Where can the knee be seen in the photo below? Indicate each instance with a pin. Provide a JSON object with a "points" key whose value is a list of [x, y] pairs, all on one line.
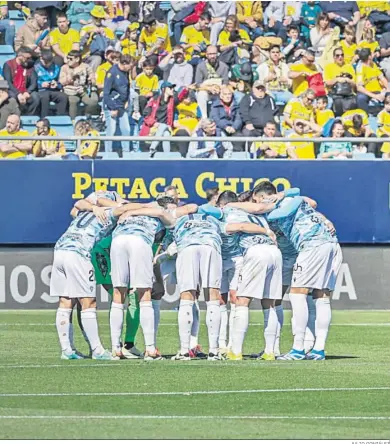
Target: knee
{"points": [[242, 302], [65, 303], [88, 303]]}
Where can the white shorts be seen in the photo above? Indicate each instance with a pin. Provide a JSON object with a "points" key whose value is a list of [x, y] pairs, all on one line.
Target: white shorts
{"points": [[288, 268], [131, 262], [199, 266], [318, 267], [231, 270], [72, 276], [168, 271], [261, 275]]}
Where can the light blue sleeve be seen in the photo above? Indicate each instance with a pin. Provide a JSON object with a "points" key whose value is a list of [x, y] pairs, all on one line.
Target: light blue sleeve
{"points": [[293, 192], [209, 210], [286, 210]]}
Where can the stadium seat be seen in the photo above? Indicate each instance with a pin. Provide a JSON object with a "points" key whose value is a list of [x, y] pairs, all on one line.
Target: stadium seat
{"points": [[363, 156], [108, 156], [18, 24], [5, 57], [373, 122], [60, 121], [28, 122], [240, 156], [7, 49], [15, 15], [136, 156], [167, 156]]}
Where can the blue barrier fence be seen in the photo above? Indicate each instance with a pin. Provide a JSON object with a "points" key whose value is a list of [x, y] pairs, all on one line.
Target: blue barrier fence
{"points": [[37, 196]]}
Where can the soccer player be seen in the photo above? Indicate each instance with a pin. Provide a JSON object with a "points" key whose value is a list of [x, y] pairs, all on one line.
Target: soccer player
{"points": [[316, 267], [73, 276]]}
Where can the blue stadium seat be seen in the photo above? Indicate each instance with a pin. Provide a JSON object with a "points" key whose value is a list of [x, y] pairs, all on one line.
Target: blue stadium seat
{"points": [[15, 15], [60, 121], [28, 122], [18, 24], [363, 156], [167, 156], [373, 121], [136, 156], [7, 49], [240, 156], [108, 156], [5, 57]]}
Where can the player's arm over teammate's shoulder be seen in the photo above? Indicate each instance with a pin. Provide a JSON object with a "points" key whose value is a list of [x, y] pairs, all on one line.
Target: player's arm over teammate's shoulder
{"points": [[311, 202], [85, 205], [249, 228], [254, 208], [185, 210], [166, 218]]}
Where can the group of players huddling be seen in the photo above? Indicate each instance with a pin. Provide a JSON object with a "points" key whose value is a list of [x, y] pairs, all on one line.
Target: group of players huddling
{"points": [[258, 245]]}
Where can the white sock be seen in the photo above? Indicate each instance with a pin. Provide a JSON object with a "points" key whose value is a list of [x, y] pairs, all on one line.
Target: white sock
{"points": [[280, 315], [241, 323], [213, 322], [224, 326], [147, 323], [194, 340], [231, 323], [156, 309], [324, 317], [270, 329], [89, 320], [301, 316], [311, 325], [116, 325], [185, 319], [63, 328]]}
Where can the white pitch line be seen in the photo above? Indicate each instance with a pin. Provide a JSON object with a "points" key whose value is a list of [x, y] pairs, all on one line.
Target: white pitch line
{"points": [[20, 324], [192, 417], [203, 392]]}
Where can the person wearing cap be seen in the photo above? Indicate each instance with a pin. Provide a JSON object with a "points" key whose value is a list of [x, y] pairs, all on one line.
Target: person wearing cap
{"points": [[175, 68], [79, 14], [116, 95], [154, 38], [95, 38], [159, 117], [8, 105], [35, 33], [63, 39], [118, 14], [14, 149], [256, 110], [112, 58], [274, 74]]}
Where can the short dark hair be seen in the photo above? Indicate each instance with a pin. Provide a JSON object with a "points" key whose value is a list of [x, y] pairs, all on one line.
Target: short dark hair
{"points": [[266, 187], [245, 196], [357, 121], [149, 19], [227, 197], [47, 56], [75, 53], [148, 62], [324, 99], [364, 54], [273, 47], [125, 59], [205, 16], [61, 15], [211, 193], [337, 49], [293, 28], [25, 50], [310, 52], [46, 122], [40, 11], [165, 201], [270, 122]]}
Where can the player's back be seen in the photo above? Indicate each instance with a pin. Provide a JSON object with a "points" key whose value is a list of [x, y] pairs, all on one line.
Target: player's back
{"points": [[249, 240], [284, 244], [143, 226], [85, 232], [231, 244], [198, 229]]}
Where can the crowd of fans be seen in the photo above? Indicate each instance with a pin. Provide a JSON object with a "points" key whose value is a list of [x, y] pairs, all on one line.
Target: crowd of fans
{"points": [[218, 68]]}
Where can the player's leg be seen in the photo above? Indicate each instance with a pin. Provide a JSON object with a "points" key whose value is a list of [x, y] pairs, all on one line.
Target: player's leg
{"points": [[211, 276], [129, 349], [223, 331], [241, 324], [158, 292], [188, 277], [232, 314], [195, 347], [233, 287], [311, 324]]}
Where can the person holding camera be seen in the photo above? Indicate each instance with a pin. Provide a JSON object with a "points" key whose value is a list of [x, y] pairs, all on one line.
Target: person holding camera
{"points": [[176, 70], [340, 81]]}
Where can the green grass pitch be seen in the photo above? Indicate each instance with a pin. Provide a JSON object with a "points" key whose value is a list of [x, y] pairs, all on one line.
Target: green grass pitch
{"points": [[348, 396]]}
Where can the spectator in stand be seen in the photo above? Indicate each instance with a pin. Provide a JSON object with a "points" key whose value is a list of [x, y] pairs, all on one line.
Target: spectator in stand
{"points": [[154, 38], [22, 79], [210, 75], [377, 13], [196, 38], [292, 13], [269, 150], [233, 42], [79, 84], [88, 148], [295, 46], [300, 71], [340, 81], [342, 13], [146, 84], [14, 149], [128, 44], [112, 58], [225, 112], [175, 68], [336, 150], [320, 35], [49, 88], [273, 19], [115, 101], [370, 42], [310, 12], [63, 39], [356, 124], [306, 130], [180, 11], [51, 8], [274, 74], [321, 111], [219, 12], [35, 33], [47, 148], [118, 15], [8, 105], [384, 44], [159, 117], [299, 108], [95, 38], [256, 110], [79, 14], [349, 46], [371, 82], [250, 16], [209, 149], [7, 26]]}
